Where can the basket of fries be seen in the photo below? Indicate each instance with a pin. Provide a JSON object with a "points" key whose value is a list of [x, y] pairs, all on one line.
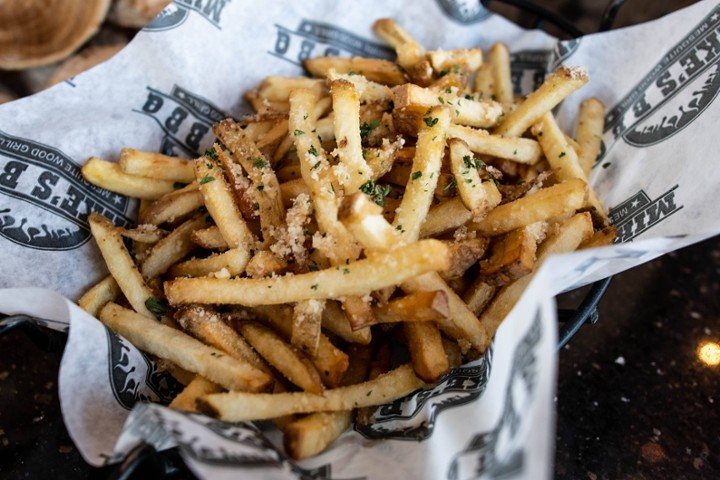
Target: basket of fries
{"points": [[345, 261]]}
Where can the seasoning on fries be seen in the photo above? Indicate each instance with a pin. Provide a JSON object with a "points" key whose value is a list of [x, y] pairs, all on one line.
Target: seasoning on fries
{"points": [[369, 208]]}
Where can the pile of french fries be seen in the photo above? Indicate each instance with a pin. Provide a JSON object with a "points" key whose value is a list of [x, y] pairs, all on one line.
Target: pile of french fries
{"points": [[375, 207]]}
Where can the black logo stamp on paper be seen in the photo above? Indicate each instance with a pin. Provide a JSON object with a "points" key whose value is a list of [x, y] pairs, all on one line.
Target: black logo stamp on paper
{"points": [[186, 119], [57, 200], [133, 377], [312, 39], [528, 69], [175, 13], [562, 51], [414, 417], [464, 11], [674, 93], [498, 453], [639, 213]]}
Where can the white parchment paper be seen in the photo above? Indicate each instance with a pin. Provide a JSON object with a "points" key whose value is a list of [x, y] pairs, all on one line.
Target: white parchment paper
{"points": [[189, 68]]}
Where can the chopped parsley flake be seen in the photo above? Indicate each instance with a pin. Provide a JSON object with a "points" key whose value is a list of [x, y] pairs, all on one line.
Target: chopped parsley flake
{"points": [[157, 306], [366, 128], [416, 175], [206, 179], [211, 153], [314, 286], [562, 154], [430, 121], [259, 162], [299, 132], [451, 184], [376, 191], [316, 165], [313, 151]]}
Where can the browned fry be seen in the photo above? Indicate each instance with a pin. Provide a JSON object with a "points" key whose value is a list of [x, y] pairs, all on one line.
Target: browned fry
{"points": [[567, 238], [426, 350], [415, 307], [463, 255], [478, 295], [286, 359], [601, 238], [335, 320], [513, 256], [412, 103], [374, 69], [198, 387], [264, 263], [205, 324], [453, 353]]}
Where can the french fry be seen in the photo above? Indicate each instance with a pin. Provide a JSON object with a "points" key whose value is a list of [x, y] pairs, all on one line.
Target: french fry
{"points": [[155, 165], [207, 325], [554, 89], [521, 150], [589, 132], [412, 103], [312, 434], [335, 320], [499, 58], [463, 255], [425, 171], [478, 295], [330, 361], [469, 59], [173, 206], [415, 307], [106, 290], [478, 196], [545, 203], [220, 204], [223, 265], [601, 238], [427, 353], [209, 238], [568, 237], [120, 264], [358, 278], [277, 88], [410, 54], [110, 176], [192, 355], [237, 406], [367, 90], [171, 249], [374, 69], [513, 256], [445, 216], [307, 320], [198, 387], [289, 361]]}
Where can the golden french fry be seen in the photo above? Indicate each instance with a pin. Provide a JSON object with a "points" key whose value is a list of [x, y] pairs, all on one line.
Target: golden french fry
{"points": [[335, 320], [198, 387], [512, 257], [312, 434], [591, 121], [207, 325], [499, 58], [567, 238], [173, 206], [426, 165], [156, 165], [110, 176], [307, 320], [520, 150], [192, 355], [237, 406], [209, 238], [554, 89], [545, 203], [410, 54], [469, 59], [415, 307], [106, 290], [220, 265], [374, 69], [278, 89], [601, 238], [171, 249]]}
